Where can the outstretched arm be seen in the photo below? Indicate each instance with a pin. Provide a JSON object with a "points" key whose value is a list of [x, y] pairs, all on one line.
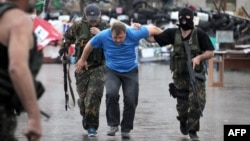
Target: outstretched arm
{"points": [[153, 30]]}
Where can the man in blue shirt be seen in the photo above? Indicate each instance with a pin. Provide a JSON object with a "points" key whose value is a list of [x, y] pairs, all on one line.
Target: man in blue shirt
{"points": [[119, 43]]}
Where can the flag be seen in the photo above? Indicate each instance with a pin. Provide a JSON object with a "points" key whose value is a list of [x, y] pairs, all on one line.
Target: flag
{"points": [[45, 32]]}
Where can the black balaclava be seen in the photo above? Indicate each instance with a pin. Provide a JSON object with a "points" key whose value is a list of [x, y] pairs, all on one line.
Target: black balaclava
{"points": [[189, 22]]}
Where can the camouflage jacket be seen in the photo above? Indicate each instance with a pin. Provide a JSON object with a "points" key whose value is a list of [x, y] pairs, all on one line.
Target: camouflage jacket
{"points": [[79, 34]]}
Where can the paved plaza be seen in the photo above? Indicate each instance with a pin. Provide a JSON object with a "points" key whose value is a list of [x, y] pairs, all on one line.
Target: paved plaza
{"points": [[155, 118]]}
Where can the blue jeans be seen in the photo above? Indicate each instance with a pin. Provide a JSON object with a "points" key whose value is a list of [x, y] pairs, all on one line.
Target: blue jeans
{"points": [[130, 88]]}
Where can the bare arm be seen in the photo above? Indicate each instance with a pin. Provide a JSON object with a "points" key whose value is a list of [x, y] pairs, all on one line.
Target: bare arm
{"points": [[19, 40], [204, 56], [153, 30], [82, 62]]}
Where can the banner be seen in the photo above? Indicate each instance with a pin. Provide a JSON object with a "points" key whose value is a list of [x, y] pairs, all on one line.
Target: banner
{"points": [[45, 32]]}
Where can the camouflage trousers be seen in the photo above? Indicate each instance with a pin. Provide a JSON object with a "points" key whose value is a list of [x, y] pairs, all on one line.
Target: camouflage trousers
{"points": [[90, 85], [8, 124], [187, 107]]}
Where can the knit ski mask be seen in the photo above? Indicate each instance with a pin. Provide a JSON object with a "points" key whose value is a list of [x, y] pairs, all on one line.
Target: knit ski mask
{"points": [[183, 14]]}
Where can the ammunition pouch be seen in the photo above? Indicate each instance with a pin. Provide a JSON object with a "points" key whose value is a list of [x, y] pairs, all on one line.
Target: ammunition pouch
{"points": [[80, 43], [97, 55], [78, 52], [178, 93], [172, 90], [178, 65], [15, 103], [8, 95]]}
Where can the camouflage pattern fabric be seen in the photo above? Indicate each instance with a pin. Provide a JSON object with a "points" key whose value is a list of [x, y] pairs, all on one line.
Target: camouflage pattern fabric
{"points": [[8, 124], [79, 34], [188, 109], [90, 85]]}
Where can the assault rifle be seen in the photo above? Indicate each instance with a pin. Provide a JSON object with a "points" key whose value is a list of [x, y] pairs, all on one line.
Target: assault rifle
{"points": [[65, 62], [192, 75], [67, 81]]}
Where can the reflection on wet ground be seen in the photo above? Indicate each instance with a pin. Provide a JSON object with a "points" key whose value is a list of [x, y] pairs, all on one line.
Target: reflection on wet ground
{"points": [[155, 118]]}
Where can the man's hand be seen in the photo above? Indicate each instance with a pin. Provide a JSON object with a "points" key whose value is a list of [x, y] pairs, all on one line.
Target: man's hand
{"points": [[94, 30], [34, 130], [80, 64], [136, 25], [196, 61]]}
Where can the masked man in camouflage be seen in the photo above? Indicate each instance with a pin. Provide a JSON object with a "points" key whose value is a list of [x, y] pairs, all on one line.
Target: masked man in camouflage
{"points": [[89, 82], [201, 49]]}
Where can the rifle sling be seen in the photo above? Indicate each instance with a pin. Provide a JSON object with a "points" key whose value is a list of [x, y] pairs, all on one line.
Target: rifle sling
{"points": [[67, 82], [70, 86]]}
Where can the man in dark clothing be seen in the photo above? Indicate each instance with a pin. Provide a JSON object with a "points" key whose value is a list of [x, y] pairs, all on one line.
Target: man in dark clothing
{"points": [[201, 50], [17, 69]]}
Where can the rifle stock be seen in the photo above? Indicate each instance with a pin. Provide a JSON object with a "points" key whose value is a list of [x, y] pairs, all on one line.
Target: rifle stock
{"points": [[192, 75], [200, 76]]}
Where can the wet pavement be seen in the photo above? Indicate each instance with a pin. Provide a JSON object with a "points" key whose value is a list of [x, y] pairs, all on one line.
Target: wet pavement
{"points": [[155, 118]]}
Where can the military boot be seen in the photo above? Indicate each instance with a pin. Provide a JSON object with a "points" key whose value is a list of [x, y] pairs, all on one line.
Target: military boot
{"points": [[183, 127], [193, 135]]}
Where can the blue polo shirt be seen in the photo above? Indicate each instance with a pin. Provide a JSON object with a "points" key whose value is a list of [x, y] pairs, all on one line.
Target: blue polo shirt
{"points": [[121, 58]]}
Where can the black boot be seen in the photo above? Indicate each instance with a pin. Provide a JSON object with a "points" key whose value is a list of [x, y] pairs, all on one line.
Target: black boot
{"points": [[193, 135], [183, 127]]}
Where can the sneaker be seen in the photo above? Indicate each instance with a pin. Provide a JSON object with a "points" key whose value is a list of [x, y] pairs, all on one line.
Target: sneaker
{"points": [[112, 131], [183, 127], [193, 136], [91, 132], [125, 135]]}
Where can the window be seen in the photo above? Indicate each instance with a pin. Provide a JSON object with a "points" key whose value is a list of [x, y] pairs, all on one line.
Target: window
{"points": [[229, 5]]}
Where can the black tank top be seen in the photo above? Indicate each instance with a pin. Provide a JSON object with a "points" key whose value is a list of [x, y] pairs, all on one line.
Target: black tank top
{"points": [[4, 61]]}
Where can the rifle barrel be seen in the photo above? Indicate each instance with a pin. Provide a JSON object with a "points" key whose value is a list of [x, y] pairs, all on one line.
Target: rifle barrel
{"points": [[192, 76]]}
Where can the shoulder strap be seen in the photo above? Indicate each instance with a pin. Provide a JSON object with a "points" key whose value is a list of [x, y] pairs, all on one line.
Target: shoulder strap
{"points": [[6, 6], [194, 38], [177, 39], [85, 29]]}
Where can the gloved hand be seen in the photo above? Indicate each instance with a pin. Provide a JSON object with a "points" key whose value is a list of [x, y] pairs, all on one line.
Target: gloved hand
{"points": [[63, 50]]}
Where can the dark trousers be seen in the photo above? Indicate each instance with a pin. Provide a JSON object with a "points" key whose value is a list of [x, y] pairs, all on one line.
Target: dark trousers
{"points": [[8, 124], [130, 88]]}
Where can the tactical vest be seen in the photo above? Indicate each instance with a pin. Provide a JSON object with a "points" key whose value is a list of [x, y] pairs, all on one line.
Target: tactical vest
{"points": [[7, 91], [178, 58], [96, 57]]}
